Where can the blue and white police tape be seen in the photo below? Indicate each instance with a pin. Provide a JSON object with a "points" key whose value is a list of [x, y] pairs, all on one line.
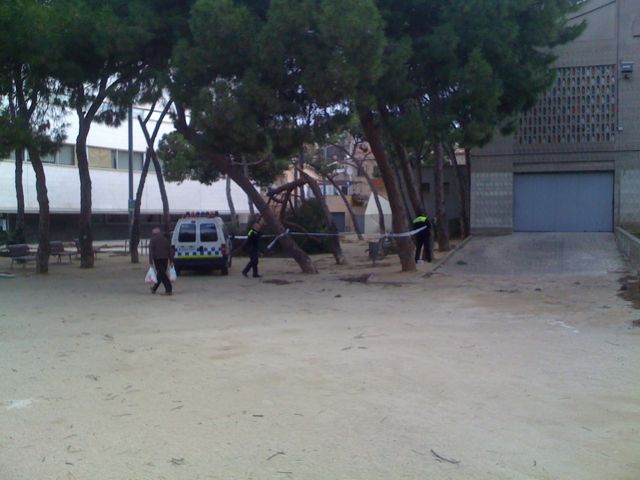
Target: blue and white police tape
{"points": [[323, 234]]}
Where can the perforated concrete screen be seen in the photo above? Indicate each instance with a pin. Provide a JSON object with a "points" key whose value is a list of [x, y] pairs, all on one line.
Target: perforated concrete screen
{"points": [[580, 107]]}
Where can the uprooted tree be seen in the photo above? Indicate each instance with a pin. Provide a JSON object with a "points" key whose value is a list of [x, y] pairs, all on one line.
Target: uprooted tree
{"points": [[262, 91]]}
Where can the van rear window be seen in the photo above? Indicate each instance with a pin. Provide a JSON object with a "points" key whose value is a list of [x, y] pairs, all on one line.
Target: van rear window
{"points": [[208, 232], [187, 232]]}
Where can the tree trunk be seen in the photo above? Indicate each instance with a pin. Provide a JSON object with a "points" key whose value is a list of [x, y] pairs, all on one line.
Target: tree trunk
{"points": [[252, 212], [232, 207], [135, 227], [462, 190], [467, 157], [18, 234], [345, 200], [408, 182], [376, 198], [412, 186], [151, 152], [405, 194], [301, 167], [166, 219], [85, 237], [296, 176], [285, 202], [405, 246], [441, 209], [334, 239], [224, 165], [269, 216], [44, 247]]}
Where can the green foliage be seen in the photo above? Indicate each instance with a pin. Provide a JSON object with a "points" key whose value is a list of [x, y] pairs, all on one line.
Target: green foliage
{"points": [[467, 66], [31, 106], [265, 172], [181, 161], [281, 73], [310, 217], [115, 50]]}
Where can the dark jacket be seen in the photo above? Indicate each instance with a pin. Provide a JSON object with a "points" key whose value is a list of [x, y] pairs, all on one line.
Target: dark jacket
{"points": [[422, 221], [253, 241], [159, 248]]}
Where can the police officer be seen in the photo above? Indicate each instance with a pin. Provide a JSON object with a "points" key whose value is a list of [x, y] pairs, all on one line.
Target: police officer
{"points": [[423, 237], [253, 245]]}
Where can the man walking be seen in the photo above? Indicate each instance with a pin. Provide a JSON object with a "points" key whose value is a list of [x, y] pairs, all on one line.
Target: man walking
{"points": [[423, 237], [253, 245], [160, 259]]}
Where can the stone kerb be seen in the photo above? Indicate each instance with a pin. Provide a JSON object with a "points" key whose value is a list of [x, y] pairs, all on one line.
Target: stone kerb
{"points": [[629, 245]]}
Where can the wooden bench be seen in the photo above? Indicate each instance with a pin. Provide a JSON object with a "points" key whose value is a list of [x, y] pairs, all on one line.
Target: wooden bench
{"points": [[96, 250], [21, 253], [57, 249]]}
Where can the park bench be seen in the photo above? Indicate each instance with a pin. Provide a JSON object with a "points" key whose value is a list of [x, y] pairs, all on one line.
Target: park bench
{"points": [[21, 253], [96, 250], [379, 249], [143, 245], [57, 249]]}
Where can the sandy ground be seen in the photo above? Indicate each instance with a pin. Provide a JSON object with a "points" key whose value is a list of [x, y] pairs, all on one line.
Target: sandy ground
{"points": [[513, 377]]}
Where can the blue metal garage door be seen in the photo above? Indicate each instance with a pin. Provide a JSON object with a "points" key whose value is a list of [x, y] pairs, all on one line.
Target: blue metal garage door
{"points": [[563, 202]]}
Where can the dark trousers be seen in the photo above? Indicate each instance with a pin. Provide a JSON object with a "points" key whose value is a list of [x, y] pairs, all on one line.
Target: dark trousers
{"points": [[161, 265], [253, 264], [423, 241]]}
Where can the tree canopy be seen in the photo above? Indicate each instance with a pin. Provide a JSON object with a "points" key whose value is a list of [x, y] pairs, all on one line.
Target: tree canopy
{"points": [[253, 81]]}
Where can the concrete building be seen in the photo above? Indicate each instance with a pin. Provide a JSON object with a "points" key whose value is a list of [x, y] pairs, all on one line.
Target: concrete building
{"points": [[108, 160], [451, 194], [574, 162]]}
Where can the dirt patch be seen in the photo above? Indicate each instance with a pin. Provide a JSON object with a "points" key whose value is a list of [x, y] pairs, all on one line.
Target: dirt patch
{"points": [[630, 290], [278, 281], [364, 278]]}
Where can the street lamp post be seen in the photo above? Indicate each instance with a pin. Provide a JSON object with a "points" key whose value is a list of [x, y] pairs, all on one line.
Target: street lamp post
{"points": [[131, 201]]}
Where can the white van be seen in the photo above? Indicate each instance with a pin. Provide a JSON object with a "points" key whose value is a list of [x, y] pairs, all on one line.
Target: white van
{"points": [[200, 242]]}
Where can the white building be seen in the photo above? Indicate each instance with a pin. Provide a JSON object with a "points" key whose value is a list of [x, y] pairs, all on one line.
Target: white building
{"points": [[107, 149]]}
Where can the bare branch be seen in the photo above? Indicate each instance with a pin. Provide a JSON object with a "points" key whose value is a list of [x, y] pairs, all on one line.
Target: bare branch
{"points": [[151, 112]]}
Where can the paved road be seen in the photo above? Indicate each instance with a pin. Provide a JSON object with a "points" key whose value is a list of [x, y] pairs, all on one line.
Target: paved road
{"points": [[538, 254]]}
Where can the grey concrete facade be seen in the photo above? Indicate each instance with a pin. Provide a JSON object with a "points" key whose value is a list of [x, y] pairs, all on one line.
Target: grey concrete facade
{"points": [[612, 37], [451, 194]]}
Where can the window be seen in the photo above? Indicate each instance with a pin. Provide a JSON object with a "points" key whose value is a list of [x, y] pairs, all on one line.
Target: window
{"points": [[121, 160], [64, 156], [99, 157], [187, 232], [208, 232]]}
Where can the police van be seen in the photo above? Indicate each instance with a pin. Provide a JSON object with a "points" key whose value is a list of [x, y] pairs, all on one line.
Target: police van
{"points": [[200, 242]]}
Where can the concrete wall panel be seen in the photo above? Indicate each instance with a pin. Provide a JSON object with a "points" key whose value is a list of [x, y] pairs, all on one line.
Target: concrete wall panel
{"points": [[491, 201]]}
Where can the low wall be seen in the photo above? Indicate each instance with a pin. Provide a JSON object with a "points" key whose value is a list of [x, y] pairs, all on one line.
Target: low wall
{"points": [[629, 245]]}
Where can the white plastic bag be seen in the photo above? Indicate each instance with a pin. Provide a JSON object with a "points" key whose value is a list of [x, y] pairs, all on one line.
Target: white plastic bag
{"points": [[151, 277], [171, 273]]}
